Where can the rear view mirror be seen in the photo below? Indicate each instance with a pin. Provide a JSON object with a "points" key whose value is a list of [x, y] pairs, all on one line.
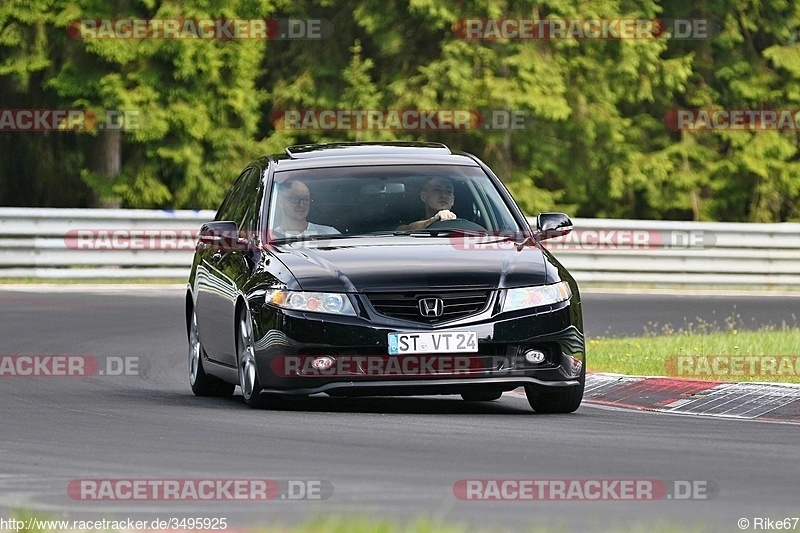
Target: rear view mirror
{"points": [[383, 188], [552, 225]]}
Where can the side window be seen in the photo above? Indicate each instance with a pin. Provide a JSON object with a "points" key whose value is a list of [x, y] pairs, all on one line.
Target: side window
{"points": [[245, 201], [231, 201], [255, 188]]}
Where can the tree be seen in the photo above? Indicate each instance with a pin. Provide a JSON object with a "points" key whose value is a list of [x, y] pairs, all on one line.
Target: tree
{"points": [[196, 101]]}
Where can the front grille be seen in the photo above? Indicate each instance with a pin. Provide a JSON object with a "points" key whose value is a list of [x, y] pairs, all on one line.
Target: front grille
{"points": [[405, 305]]}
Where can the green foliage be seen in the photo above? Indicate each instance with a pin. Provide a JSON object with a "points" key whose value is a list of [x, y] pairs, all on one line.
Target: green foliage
{"points": [[595, 144], [197, 101]]}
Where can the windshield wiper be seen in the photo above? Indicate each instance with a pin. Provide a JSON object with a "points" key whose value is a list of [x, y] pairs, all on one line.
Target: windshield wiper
{"points": [[332, 236], [314, 237], [428, 232], [441, 232]]}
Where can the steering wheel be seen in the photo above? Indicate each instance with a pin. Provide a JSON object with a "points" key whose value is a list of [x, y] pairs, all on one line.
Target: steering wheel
{"points": [[458, 223]]}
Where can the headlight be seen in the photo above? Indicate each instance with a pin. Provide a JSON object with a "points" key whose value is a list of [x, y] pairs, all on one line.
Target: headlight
{"points": [[318, 302], [536, 296]]}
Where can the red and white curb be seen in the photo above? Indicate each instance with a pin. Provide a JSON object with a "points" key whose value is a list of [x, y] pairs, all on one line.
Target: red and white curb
{"points": [[751, 401], [778, 402]]}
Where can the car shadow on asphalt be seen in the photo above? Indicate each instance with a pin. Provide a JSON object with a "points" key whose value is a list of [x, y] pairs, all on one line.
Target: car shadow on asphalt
{"points": [[421, 405], [509, 404]]}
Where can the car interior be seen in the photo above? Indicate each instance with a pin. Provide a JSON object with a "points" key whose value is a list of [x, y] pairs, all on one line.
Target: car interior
{"points": [[365, 205]]}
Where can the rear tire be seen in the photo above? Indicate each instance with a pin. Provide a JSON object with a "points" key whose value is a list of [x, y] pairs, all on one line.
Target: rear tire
{"points": [[202, 384], [482, 396], [562, 400]]}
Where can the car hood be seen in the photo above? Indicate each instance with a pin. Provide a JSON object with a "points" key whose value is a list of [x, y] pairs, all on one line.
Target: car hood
{"points": [[401, 263]]}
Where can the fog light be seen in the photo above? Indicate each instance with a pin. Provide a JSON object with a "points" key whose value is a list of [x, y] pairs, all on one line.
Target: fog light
{"points": [[323, 362], [534, 356], [577, 366]]}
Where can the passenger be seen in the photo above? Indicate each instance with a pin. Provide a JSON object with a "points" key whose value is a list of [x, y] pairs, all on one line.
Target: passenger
{"points": [[294, 202]]}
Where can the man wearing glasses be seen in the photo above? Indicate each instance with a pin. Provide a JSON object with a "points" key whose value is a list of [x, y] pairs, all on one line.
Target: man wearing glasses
{"points": [[438, 197], [294, 201]]}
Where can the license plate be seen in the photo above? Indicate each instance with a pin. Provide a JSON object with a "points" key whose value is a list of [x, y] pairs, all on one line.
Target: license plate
{"points": [[433, 342]]}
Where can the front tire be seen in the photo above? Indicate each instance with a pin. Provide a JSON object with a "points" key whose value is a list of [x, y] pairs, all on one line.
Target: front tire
{"points": [[248, 374], [562, 400], [202, 384]]}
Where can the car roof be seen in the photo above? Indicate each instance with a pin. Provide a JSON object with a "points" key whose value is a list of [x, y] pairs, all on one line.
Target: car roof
{"points": [[339, 154]]}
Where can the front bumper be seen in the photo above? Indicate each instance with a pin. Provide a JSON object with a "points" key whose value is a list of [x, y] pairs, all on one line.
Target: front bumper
{"points": [[286, 337]]}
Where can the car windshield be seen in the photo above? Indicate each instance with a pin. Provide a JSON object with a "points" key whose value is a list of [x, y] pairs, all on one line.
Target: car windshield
{"points": [[374, 200]]}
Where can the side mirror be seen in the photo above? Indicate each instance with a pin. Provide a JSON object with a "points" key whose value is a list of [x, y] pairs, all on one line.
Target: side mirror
{"points": [[222, 236], [552, 225]]}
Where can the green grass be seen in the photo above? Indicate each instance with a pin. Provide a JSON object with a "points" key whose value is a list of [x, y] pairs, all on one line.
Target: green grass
{"points": [[424, 525], [684, 353], [355, 524]]}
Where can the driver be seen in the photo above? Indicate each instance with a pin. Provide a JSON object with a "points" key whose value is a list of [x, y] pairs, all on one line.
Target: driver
{"points": [[438, 197]]}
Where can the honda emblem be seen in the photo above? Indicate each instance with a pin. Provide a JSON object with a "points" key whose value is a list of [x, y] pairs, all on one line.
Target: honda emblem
{"points": [[431, 307]]}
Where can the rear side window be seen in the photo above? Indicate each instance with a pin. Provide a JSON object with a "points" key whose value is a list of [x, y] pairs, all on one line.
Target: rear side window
{"points": [[235, 204]]}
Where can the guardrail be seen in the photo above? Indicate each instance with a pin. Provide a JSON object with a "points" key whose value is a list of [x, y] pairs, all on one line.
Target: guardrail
{"points": [[55, 243], [48, 243], [691, 254]]}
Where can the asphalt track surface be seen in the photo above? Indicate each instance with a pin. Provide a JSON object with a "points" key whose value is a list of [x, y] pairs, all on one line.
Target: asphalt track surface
{"points": [[388, 458]]}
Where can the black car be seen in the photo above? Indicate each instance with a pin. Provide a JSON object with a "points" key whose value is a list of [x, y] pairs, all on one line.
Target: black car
{"points": [[363, 269]]}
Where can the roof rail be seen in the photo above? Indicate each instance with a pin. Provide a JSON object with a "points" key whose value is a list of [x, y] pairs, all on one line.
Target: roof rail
{"points": [[303, 151]]}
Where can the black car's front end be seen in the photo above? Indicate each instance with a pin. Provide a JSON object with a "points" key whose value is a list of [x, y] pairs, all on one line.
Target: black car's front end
{"points": [[519, 343]]}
